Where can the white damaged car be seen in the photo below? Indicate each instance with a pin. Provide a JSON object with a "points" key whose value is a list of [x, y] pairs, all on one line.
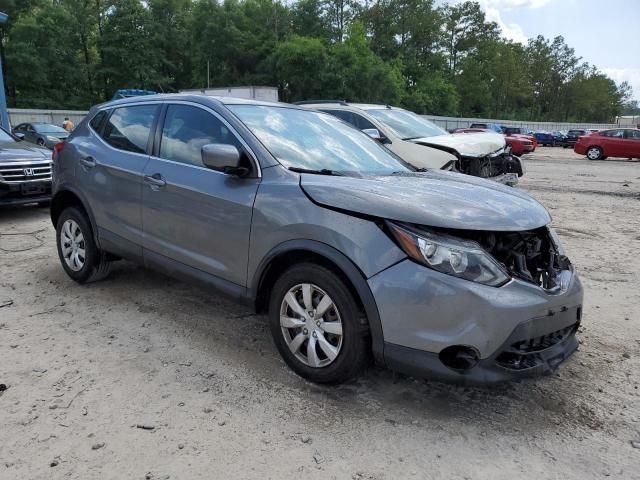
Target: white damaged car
{"points": [[407, 134]]}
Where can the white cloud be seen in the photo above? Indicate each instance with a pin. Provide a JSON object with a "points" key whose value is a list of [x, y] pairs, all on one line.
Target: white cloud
{"points": [[509, 4], [631, 75], [512, 31], [493, 9]]}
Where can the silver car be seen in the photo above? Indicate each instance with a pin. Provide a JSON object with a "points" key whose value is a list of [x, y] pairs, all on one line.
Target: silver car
{"points": [[40, 133], [424, 144], [352, 252]]}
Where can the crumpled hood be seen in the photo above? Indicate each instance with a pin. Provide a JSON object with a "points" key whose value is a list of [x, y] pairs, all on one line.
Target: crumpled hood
{"points": [[467, 145], [15, 151], [435, 198]]}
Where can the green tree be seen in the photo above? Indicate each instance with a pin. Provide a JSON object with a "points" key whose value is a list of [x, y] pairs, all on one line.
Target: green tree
{"points": [[357, 74], [132, 58], [300, 66], [45, 60]]}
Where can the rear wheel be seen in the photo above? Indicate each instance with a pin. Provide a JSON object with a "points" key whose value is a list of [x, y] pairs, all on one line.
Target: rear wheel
{"points": [[317, 326], [77, 250], [594, 153]]}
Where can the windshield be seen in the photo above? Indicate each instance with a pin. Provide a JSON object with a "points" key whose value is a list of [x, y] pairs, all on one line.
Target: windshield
{"points": [[407, 125], [5, 137], [316, 141], [48, 128]]}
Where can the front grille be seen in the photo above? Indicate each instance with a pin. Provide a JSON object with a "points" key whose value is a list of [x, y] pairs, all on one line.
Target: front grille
{"points": [[525, 354], [20, 172]]}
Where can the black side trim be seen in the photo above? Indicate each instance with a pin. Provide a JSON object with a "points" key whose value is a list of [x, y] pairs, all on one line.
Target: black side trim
{"points": [[186, 273], [353, 273]]}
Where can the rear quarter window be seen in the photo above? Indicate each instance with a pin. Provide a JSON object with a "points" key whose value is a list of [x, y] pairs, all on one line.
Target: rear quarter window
{"points": [[98, 119]]}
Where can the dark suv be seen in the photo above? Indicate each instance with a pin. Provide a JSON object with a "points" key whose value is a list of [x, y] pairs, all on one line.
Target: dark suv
{"points": [[572, 137], [350, 250], [25, 172]]}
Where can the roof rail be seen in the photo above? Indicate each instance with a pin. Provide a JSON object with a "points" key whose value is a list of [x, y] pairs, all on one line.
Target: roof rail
{"points": [[311, 102]]}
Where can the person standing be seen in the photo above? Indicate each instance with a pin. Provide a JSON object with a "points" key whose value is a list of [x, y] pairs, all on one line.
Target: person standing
{"points": [[67, 124]]}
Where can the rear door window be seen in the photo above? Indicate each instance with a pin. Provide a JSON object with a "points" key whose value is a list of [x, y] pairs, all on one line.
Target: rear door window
{"points": [[633, 134], [128, 128]]}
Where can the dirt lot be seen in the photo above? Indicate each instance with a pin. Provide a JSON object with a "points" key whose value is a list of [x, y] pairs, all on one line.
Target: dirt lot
{"points": [[87, 366]]}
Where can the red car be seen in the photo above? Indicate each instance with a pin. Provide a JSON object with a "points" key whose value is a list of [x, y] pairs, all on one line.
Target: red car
{"points": [[518, 143], [619, 142], [520, 132]]}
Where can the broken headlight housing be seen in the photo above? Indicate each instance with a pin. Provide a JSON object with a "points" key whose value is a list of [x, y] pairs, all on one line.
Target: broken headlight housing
{"points": [[450, 255]]}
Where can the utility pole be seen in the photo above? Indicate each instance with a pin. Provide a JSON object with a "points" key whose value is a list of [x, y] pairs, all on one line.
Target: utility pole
{"points": [[4, 115]]}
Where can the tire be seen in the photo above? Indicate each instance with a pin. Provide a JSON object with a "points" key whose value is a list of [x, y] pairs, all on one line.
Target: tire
{"points": [[40, 142], [594, 153], [96, 264], [352, 345]]}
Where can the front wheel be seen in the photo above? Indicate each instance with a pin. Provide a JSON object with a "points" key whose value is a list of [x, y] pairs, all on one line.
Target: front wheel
{"points": [[317, 326], [594, 153], [40, 142], [77, 250]]}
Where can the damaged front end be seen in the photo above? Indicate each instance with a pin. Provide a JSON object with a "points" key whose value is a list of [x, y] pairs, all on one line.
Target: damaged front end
{"points": [[535, 256], [500, 166]]}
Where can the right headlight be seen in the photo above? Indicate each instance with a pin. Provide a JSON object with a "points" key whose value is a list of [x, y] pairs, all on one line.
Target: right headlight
{"points": [[450, 255]]}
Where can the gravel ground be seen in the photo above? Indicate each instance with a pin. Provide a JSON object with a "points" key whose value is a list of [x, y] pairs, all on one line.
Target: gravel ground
{"points": [[140, 376]]}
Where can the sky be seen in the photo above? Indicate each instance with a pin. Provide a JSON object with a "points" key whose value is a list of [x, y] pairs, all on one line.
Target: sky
{"points": [[605, 33]]}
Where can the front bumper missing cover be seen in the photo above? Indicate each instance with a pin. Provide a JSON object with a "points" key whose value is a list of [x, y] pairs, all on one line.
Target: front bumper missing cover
{"points": [[536, 347]]}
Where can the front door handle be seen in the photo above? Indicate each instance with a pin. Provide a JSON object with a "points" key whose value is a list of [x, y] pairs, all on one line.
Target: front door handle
{"points": [[88, 162], [155, 180]]}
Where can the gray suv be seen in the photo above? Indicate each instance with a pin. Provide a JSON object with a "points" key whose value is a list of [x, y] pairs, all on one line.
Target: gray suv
{"points": [[352, 252]]}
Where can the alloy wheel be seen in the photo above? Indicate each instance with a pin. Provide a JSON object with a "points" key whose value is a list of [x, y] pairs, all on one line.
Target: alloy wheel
{"points": [[72, 245], [311, 325]]}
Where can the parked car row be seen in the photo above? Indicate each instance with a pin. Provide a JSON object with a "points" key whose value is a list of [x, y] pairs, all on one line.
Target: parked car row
{"points": [[352, 248]]}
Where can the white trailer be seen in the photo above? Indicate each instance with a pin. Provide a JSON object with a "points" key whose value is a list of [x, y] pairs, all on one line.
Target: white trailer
{"points": [[269, 94], [630, 121]]}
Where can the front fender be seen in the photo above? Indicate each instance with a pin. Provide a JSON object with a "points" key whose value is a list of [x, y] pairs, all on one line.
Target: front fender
{"points": [[346, 266]]}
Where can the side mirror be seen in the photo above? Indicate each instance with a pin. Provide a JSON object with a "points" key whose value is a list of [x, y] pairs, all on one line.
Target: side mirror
{"points": [[375, 134], [223, 158], [19, 135]]}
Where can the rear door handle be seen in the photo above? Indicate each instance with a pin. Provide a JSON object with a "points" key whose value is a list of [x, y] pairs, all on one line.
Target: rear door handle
{"points": [[88, 162], [155, 180]]}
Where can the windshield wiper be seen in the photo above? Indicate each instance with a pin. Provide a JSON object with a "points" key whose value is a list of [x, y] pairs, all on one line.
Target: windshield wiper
{"points": [[322, 171]]}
